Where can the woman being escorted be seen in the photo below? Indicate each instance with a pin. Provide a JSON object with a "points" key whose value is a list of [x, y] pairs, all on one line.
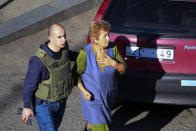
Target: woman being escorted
{"points": [[96, 67]]}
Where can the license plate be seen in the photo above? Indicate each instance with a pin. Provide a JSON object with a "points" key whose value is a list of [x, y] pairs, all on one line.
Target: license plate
{"points": [[155, 53]]}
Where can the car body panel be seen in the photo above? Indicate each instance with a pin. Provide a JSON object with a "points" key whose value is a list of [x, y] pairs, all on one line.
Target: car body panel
{"points": [[164, 88], [181, 64], [156, 80]]}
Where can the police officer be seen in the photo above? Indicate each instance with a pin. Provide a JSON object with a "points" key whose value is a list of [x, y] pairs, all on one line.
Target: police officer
{"points": [[48, 81]]}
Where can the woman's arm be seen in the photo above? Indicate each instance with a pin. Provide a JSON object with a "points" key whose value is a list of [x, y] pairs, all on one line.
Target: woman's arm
{"points": [[118, 62], [86, 94], [81, 67], [108, 61], [119, 66]]}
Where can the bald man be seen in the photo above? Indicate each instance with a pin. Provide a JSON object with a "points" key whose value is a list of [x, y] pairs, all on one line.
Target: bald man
{"points": [[48, 81]]}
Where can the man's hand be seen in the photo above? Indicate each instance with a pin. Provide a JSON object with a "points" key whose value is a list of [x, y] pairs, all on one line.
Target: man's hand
{"points": [[26, 113]]}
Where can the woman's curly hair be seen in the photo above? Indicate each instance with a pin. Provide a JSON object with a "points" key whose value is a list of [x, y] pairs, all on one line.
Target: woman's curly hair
{"points": [[96, 27]]}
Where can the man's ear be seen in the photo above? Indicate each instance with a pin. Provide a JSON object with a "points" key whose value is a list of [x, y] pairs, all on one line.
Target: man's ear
{"points": [[49, 37]]}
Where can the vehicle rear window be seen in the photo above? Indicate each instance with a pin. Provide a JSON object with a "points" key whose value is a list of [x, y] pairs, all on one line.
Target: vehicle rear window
{"points": [[160, 16]]}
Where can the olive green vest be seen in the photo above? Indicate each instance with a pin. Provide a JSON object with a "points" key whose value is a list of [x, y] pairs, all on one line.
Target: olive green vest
{"points": [[59, 85]]}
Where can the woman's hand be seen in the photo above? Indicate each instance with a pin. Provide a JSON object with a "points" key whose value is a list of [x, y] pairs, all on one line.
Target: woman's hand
{"points": [[87, 96], [107, 61]]}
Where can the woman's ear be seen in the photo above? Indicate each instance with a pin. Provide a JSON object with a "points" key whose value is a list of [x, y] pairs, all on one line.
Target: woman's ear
{"points": [[93, 40]]}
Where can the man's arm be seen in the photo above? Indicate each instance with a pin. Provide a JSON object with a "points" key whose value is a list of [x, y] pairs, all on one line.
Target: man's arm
{"points": [[30, 85], [73, 55]]}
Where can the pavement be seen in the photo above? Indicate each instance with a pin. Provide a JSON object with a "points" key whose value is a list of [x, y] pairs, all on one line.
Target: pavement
{"points": [[10, 9], [42, 17], [14, 56]]}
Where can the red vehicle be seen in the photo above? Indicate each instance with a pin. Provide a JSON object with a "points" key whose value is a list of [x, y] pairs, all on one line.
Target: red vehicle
{"points": [[157, 38]]}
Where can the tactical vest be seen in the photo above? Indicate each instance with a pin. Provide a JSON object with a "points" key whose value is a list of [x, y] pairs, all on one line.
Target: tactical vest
{"points": [[59, 85]]}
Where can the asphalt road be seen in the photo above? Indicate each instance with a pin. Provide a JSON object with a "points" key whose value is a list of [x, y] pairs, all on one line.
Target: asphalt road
{"points": [[129, 117]]}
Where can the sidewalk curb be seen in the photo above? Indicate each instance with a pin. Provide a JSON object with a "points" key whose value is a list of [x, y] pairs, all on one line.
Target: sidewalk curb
{"points": [[53, 12]]}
